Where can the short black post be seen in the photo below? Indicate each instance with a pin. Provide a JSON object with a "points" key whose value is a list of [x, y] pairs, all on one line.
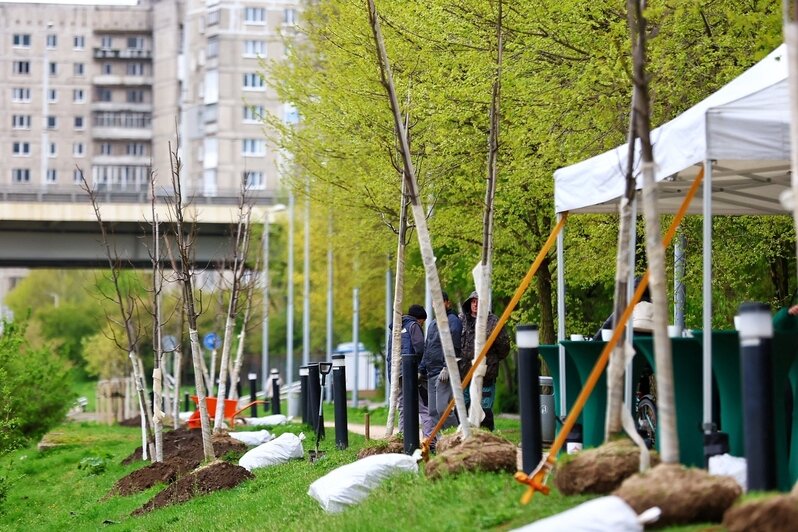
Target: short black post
{"points": [[339, 398], [756, 338], [253, 393], [303, 394], [275, 391], [186, 404], [526, 336], [314, 394], [410, 401]]}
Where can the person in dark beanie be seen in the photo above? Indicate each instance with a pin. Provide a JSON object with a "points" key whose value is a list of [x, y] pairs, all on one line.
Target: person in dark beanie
{"points": [[412, 343], [498, 352], [439, 390]]}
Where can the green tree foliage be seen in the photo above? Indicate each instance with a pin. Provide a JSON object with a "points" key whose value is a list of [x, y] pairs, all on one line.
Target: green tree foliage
{"points": [[33, 394]]}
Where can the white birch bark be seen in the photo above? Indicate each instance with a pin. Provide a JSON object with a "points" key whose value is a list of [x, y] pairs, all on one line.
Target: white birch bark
{"points": [[396, 329], [420, 220], [790, 29]]}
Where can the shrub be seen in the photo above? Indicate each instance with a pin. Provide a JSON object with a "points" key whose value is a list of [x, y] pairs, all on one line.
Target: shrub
{"points": [[34, 394]]}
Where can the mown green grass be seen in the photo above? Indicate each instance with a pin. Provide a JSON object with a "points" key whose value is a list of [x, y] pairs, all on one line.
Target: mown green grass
{"points": [[50, 491]]}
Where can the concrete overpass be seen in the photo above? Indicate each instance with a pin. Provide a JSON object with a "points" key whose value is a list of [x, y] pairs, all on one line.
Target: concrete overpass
{"points": [[57, 228]]}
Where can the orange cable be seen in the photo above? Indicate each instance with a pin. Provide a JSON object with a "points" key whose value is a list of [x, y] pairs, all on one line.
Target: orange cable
{"points": [[536, 479]]}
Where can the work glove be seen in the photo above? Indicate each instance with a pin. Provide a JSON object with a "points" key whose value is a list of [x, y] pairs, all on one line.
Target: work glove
{"points": [[444, 375]]}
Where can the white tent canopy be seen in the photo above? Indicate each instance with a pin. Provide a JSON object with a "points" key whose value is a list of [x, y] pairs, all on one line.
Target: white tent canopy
{"points": [[740, 134], [743, 128]]}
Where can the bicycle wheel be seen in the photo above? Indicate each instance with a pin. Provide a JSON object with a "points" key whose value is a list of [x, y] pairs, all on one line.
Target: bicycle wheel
{"points": [[647, 420]]}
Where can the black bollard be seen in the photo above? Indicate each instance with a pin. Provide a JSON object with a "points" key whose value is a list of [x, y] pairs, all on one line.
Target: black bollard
{"points": [[303, 394], [314, 395], [253, 393], [526, 336], [275, 391], [186, 404], [339, 398], [756, 367], [410, 401]]}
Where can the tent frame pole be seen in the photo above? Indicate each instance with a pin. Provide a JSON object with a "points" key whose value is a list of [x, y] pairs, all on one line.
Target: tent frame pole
{"points": [[707, 296], [561, 316]]}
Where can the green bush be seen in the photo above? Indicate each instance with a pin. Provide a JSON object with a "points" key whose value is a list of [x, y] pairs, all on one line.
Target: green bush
{"points": [[34, 388]]}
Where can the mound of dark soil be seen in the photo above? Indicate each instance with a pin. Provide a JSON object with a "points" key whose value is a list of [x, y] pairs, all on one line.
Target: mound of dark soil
{"points": [[217, 476], [773, 514], [142, 479], [599, 470], [187, 444], [483, 451], [394, 444], [684, 495], [131, 422]]}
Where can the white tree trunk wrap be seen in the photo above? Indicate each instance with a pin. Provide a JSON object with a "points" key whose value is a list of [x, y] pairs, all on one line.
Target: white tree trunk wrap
{"points": [[196, 356]]}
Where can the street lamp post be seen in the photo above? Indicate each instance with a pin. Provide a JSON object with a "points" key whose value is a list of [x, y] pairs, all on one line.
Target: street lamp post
{"points": [[289, 324], [264, 369]]}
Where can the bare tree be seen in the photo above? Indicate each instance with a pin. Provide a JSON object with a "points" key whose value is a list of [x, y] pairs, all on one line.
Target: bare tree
{"points": [[484, 272], [669, 442], [424, 240], [157, 345], [126, 302], [185, 241]]}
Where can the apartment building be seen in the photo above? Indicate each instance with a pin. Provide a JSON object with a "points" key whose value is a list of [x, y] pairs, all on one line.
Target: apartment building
{"points": [[103, 90]]}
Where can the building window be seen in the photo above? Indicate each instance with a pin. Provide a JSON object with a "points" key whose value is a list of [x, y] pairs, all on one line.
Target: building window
{"points": [[52, 175], [108, 69], [21, 40], [213, 47], [289, 15], [254, 15], [53, 68], [254, 48], [79, 122], [253, 81], [135, 69], [21, 148], [20, 95], [214, 17], [254, 180], [253, 147], [77, 175], [79, 69], [104, 95], [52, 122], [78, 149], [290, 114], [21, 67], [105, 148], [52, 151], [52, 41], [78, 96], [20, 175], [253, 113], [52, 95], [135, 96], [135, 148], [20, 121], [135, 43], [106, 42], [79, 42]]}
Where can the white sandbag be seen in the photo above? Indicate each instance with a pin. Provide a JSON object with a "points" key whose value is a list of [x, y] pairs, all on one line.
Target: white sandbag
{"points": [[732, 466], [605, 514], [278, 451], [268, 421], [256, 437], [352, 483], [184, 416]]}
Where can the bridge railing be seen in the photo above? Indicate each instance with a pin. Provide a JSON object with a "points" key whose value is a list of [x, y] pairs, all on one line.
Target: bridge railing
{"points": [[117, 194]]}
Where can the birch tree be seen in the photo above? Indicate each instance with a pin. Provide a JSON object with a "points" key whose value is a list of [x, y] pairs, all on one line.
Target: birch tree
{"points": [[669, 443], [420, 221]]}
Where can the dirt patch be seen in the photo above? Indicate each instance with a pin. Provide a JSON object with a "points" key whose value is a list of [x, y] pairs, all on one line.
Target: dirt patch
{"points": [[131, 422], [394, 444], [217, 476], [773, 514], [142, 479], [599, 470], [187, 444], [483, 451], [684, 495]]}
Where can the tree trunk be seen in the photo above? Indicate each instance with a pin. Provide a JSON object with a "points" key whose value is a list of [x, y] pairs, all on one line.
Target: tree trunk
{"points": [[790, 21], [420, 220], [396, 329], [548, 335]]}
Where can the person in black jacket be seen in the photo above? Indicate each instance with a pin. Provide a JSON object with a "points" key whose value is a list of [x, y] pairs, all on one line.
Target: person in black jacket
{"points": [[498, 352], [412, 339]]}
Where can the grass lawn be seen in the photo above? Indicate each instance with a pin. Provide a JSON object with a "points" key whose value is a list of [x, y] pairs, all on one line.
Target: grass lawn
{"points": [[64, 489]]}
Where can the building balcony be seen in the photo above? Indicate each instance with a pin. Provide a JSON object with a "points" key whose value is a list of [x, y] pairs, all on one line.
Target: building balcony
{"points": [[122, 106], [127, 53], [121, 133], [122, 81], [122, 160]]}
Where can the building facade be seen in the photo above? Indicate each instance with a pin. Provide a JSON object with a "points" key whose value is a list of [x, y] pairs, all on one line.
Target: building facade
{"points": [[105, 91]]}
